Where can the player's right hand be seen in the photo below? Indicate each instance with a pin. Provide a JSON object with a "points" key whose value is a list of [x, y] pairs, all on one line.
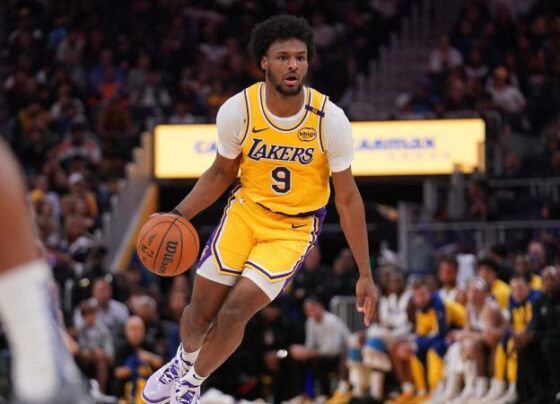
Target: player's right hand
{"points": [[366, 298]]}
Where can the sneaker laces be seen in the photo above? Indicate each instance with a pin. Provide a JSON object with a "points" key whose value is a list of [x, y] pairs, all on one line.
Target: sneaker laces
{"points": [[185, 392], [171, 373], [177, 368]]}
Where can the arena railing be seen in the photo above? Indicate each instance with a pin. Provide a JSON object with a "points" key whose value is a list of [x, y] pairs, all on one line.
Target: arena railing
{"points": [[420, 240]]}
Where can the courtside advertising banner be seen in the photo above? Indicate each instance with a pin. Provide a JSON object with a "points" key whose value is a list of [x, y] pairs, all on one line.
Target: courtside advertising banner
{"points": [[381, 148]]}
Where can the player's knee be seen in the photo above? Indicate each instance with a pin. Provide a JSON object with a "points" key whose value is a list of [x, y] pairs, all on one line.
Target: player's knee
{"points": [[478, 346], [200, 320], [231, 317]]}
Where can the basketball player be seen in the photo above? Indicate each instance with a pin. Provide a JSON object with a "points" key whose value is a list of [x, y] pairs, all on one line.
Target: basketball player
{"points": [[284, 139], [42, 370]]}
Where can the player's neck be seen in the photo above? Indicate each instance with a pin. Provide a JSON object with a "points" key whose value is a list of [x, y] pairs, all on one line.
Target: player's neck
{"points": [[282, 105]]}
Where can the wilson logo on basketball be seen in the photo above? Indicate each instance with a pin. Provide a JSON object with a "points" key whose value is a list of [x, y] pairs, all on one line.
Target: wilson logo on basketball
{"points": [[307, 134], [170, 249]]}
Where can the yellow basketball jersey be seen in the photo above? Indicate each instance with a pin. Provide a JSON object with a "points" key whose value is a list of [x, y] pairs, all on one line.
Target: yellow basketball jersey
{"points": [[284, 169]]}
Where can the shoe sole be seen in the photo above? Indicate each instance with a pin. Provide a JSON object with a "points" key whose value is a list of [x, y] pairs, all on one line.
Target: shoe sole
{"points": [[161, 400]]}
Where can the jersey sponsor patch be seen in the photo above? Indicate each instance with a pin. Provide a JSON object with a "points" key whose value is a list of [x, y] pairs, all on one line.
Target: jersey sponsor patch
{"points": [[307, 134]]}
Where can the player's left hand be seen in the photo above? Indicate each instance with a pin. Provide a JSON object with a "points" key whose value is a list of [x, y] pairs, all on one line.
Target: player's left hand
{"points": [[366, 297]]}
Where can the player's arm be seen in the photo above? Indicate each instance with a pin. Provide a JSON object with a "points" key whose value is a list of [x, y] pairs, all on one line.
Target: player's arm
{"points": [[349, 204], [230, 124], [496, 324], [17, 240], [209, 186], [350, 209]]}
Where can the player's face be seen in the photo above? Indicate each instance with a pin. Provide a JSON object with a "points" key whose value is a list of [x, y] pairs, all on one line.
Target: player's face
{"points": [[134, 331], [447, 273], [487, 274], [313, 310], [421, 296], [475, 295], [285, 65]]}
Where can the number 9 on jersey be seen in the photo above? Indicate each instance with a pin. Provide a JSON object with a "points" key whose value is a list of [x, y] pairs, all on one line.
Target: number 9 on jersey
{"points": [[281, 180]]}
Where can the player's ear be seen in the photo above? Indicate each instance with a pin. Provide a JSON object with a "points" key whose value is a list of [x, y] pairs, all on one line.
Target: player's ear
{"points": [[264, 63]]}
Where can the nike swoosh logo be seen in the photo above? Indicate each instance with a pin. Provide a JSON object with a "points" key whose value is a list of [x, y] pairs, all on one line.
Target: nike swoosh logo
{"points": [[297, 226], [255, 130]]}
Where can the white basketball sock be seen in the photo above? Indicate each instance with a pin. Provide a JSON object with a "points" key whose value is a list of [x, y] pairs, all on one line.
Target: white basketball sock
{"points": [[189, 357], [40, 360], [195, 379]]}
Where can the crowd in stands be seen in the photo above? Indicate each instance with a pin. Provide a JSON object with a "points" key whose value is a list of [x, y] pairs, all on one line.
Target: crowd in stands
{"points": [[492, 338], [486, 331], [500, 56], [504, 57]]}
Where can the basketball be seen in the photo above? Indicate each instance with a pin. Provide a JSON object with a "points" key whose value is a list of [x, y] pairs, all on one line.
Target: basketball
{"points": [[167, 245]]}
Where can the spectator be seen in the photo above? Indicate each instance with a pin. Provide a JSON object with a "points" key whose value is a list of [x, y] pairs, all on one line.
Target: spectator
{"points": [[145, 307], [268, 337], [182, 114], [445, 57], [475, 68], [368, 352], [505, 96], [499, 253], [474, 344], [78, 241], [105, 79], [342, 279], [482, 204], [466, 263], [47, 223], [111, 313], [522, 266], [28, 117], [447, 277], [64, 100], [80, 192], [79, 144], [310, 280], [521, 307], [539, 347], [114, 122], [135, 361], [149, 93], [93, 269], [422, 354], [325, 337], [537, 256], [217, 95], [96, 351], [487, 269]]}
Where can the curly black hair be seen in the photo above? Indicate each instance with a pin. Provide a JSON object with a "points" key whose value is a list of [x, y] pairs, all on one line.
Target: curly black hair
{"points": [[277, 28]]}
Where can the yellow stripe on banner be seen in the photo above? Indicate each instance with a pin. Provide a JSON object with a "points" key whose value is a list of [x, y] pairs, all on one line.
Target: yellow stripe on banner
{"points": [[149, 205]]}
